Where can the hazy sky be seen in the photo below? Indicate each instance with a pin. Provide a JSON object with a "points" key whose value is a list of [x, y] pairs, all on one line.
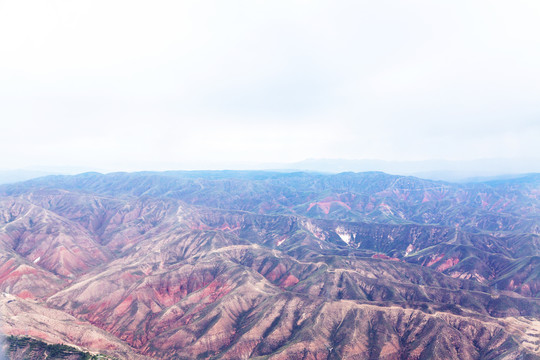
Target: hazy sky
{"points": [[126, 85]]}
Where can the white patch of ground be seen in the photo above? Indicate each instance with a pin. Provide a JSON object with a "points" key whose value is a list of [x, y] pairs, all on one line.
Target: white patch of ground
{"points": [[409, 249], [343, 234]]}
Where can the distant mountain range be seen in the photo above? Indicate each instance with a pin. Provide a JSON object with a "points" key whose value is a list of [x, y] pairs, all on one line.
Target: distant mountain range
{"points": [[13, 176], [461, 171], [453, 171], [272, 265]]}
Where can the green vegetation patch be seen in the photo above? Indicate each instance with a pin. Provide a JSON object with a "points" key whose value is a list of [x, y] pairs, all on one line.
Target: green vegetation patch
{"points": [[29, 348]]}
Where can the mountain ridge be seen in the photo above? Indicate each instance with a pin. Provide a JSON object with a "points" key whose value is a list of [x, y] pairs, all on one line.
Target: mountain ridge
{"points": [[251, 264]]}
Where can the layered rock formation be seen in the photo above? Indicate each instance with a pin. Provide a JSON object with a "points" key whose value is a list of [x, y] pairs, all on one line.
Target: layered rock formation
{"points": [[239, 265]]}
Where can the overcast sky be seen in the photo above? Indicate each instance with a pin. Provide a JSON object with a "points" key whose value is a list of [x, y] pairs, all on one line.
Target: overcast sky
{"points": [[131, 85]]}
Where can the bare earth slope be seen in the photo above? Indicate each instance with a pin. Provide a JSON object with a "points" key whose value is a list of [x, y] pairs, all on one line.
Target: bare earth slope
{"points": [[238, 265]]}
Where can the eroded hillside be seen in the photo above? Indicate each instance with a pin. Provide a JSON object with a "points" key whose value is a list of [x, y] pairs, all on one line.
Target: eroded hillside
{"points": [[238, 265]]}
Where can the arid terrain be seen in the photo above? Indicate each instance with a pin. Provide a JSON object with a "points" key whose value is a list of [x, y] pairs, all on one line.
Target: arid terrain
{"points": [[270, 265]]}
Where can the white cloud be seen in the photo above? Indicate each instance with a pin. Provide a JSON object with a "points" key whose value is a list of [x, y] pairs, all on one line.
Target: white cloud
{"points": [[106, 83]]}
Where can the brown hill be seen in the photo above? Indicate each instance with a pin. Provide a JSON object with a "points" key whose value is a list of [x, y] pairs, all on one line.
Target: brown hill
{"points": [[267, 265]]}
